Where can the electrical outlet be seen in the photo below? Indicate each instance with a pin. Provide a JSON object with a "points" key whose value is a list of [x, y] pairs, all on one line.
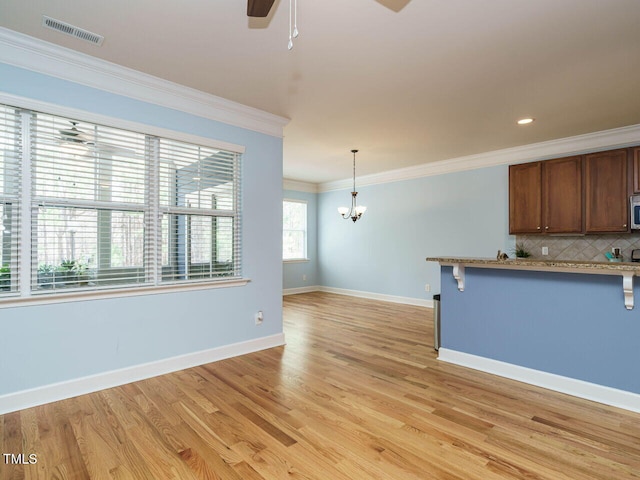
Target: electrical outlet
{"points": [[304, 278], [259, 317], [545, 250], [427, 287]]}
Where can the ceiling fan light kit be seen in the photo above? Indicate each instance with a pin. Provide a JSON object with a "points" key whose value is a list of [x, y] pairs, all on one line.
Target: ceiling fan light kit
{"points": [[73, 135], [356, 211]]}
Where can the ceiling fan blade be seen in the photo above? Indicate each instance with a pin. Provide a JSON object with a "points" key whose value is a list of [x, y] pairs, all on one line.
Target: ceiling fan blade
{"points": [[259, 8], [395, 5]]}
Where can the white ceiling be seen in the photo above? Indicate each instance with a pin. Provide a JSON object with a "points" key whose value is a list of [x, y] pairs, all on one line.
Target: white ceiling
{"points": [[435, 80]]}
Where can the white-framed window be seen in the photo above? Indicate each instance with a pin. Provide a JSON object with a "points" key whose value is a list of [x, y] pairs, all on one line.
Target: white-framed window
{"points": [[294, 231], [89, 207], [199, 211], [10, 197]]}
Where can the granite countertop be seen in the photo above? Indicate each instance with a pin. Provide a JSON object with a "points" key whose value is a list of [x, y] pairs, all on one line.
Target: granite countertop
{"points": [[541, 264]]}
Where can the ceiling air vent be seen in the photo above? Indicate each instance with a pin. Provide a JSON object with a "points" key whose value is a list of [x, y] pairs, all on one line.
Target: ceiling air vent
{"points": [[69, 29]]}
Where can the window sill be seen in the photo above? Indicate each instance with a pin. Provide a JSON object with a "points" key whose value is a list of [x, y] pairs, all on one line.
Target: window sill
{"points": [[296, 260], [78, 295]]}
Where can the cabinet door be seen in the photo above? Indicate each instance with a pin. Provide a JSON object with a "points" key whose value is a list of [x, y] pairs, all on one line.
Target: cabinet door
{"points": [[606, 191], [562, 195], [636, 170], [525, 198]]}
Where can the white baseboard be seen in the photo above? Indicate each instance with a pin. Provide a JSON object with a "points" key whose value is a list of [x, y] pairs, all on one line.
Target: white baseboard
{"points": [[296, 290], [72, 388], [419, 302], [358, 293], [571, 386]]}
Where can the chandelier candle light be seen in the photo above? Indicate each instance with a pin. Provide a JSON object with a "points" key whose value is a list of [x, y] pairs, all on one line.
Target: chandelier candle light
{"points": [[356, 211]]}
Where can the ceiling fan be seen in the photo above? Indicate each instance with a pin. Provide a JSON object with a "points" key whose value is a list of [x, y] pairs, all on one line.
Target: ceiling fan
{"points": [[74, 136], [259, 8]]}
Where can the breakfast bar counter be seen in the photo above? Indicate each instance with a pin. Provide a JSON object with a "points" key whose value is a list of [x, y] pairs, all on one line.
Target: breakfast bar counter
{"points": [[563, 325], [626, 270], [526, 263]]}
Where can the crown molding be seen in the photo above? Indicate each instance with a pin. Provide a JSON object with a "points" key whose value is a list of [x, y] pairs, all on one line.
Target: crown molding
{"points": [[43, 57], [299, 186], [590, 142]]}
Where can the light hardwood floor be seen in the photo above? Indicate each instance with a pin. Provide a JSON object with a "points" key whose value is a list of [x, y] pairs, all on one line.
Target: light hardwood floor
{"points": [[357, 393]]}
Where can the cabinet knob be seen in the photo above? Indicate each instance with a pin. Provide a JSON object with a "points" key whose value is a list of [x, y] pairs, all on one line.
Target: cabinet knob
{"points": [[538, 228], [547, 227], [624, 226]]}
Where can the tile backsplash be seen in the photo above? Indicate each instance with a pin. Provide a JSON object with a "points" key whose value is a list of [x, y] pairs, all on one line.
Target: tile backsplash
{"points": [[586, 247]]}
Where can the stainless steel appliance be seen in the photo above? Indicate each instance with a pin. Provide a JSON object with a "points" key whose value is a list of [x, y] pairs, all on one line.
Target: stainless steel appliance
{"points": [[635, 212]]}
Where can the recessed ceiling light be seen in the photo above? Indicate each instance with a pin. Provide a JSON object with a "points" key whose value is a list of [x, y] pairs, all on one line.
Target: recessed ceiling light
{"points": [[525, 121]]}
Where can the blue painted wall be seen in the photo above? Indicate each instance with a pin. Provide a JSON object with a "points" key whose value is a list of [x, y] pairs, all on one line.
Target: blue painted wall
{"points": [[293, 271], [40, 345], [573, 325], [457, 214]]}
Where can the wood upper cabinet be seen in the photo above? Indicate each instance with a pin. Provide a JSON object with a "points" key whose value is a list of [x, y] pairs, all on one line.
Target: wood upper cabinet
{"points": [[525, 198], [606, 191], [546, 197], [581, 194], [562, 195], [635, 152]]}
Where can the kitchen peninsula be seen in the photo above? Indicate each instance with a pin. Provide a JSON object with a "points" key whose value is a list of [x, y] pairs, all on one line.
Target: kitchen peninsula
{"points": [[565, 325]]}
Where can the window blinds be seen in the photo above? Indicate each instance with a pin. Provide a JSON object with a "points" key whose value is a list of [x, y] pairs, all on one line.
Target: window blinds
{"points": [[88, 204], [198, 204], [10, 188], [114, 208]]}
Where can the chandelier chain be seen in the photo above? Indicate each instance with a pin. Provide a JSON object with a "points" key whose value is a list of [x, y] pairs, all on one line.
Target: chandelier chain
{"points": [[354, 169]]}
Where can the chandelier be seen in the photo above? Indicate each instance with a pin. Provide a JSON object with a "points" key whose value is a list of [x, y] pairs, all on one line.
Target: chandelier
{"points": [[356, 211]]}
